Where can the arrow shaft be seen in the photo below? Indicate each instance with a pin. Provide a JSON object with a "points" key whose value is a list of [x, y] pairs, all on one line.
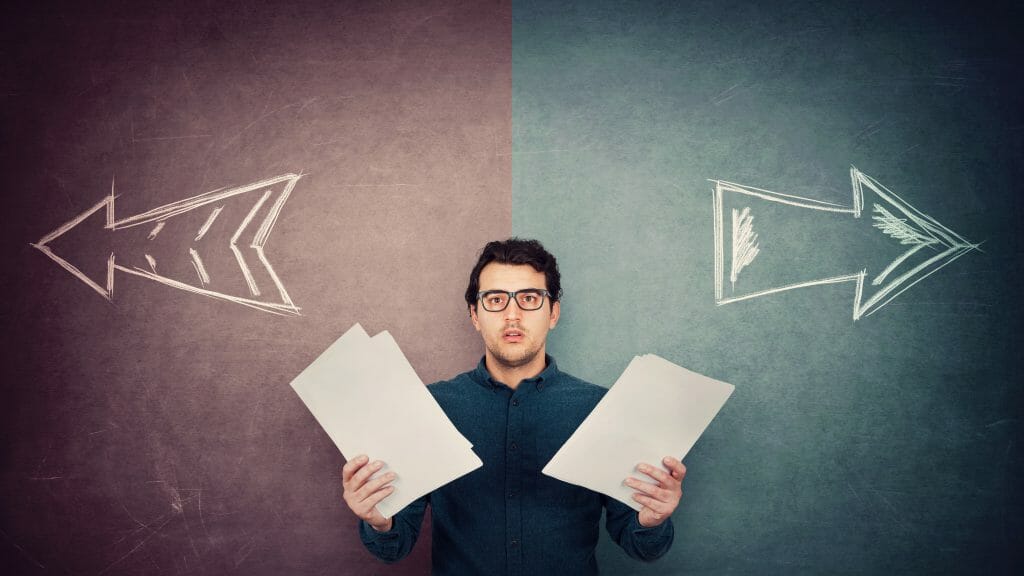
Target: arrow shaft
{"points": [[798, 201], [721, 188], [288, 308], [182, 206], [859, 278]]}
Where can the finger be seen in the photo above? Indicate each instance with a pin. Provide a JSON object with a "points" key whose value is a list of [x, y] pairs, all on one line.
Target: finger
{"points": [[364, 473], [366, 499], [657, 474], [648, 488], [659, 509], [373, 499], [352, 466], [656, 515], [374, 485], [676, 468]]}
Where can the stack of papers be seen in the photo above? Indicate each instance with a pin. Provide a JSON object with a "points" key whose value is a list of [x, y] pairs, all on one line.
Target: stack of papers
{"points": [[655, 409], [369, 400]]}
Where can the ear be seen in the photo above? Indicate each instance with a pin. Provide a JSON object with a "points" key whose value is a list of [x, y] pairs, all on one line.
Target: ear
{"points": [[473, 318], [556, 310]]}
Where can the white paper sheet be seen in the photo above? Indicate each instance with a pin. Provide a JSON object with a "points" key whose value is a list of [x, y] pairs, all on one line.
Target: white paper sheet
{"points": [[655, 409], [369, 400]]}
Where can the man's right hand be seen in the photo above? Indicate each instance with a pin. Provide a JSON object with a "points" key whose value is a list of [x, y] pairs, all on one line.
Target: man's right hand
{"points": [[362, 494]]}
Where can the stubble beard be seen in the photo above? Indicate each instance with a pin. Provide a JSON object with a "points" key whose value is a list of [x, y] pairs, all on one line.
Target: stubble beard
{"points": [[513, 361]]}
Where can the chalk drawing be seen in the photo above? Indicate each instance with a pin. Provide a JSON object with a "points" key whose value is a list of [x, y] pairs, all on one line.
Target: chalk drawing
{"points": [[156, 230], [898, 229], [744, 242], [197, 262], [891, 215], [209, 222], [278, 189]]}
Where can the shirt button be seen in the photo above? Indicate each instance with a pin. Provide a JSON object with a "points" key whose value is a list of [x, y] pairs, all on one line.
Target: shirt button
{"points": [[511, 493], [540, 386], [513, 446], [515, 402], [514, 542]]}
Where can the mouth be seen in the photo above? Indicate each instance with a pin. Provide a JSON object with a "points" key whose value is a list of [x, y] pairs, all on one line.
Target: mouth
{"points": [[512, 335]]}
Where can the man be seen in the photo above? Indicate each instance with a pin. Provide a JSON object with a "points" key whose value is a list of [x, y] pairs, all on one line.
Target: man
{"points": [[517, 408]]}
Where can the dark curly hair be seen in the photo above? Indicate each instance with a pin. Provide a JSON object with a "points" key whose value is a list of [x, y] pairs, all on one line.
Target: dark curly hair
{"points": [[516, 251]]}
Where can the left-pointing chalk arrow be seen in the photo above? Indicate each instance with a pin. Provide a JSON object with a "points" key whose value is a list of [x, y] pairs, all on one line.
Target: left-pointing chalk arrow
{"points": [[245, 234]]}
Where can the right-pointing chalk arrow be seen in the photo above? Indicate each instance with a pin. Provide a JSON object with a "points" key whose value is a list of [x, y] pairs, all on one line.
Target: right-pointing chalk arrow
{"points": [[764, 246]]}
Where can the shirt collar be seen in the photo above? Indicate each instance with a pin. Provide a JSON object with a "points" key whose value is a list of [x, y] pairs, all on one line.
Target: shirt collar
{"points": [[550, 372]]}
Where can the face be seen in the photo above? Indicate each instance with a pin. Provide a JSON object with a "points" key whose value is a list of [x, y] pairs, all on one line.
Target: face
{"points": [[514, 337]]}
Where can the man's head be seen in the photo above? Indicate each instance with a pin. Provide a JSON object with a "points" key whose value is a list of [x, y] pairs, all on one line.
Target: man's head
{"points": [[514, 328], [516, 251]]}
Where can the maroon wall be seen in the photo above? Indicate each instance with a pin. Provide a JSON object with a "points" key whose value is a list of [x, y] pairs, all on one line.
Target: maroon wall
{"points": [[156, 432]]}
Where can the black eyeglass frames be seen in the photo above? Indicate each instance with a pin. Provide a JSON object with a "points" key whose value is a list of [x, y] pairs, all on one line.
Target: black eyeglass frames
{"points": [[527, 299]]}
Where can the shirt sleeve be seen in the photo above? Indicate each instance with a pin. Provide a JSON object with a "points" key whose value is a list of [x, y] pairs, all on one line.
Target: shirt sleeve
{"points": [[395, 544], [623, 524]]}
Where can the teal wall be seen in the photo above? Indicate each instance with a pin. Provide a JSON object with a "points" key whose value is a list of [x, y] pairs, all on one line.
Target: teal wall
{"points": [[888, 444]]}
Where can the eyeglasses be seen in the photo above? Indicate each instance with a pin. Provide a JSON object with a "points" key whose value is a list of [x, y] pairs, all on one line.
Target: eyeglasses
{"points": [[527, 299]]}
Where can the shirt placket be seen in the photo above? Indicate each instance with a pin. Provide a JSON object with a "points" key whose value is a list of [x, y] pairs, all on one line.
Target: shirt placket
{"points": [[513, 484]]}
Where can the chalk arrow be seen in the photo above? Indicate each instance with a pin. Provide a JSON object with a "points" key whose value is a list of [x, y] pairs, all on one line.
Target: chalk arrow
{"points": [[764, 244], [235, 222]]}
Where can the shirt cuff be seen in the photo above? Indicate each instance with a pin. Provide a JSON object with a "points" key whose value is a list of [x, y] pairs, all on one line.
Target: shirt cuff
{"points": [[641, 531], [369, 535]]}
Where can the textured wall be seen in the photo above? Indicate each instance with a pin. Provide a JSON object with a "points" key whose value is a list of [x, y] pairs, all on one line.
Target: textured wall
{"points": [[156, 432]]}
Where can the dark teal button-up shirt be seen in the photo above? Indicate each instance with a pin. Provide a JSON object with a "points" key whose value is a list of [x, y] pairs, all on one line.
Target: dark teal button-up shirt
{"points": [[506, 517]]}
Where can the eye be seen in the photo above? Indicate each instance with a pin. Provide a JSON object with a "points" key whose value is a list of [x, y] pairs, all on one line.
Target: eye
{"points": [[495, 298]]}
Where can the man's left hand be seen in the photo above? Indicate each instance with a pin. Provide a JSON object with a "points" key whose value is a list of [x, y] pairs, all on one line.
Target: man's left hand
{"points": [[660, 497]]}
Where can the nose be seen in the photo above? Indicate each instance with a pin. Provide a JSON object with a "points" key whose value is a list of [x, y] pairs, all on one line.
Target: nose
{"points": [[513, 311]]}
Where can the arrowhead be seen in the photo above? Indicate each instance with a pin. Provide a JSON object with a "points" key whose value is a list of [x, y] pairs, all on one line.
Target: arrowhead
{"points": [[931, 245], [107, 288]]}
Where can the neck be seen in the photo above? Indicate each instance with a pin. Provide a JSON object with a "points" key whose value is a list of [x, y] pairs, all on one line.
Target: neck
{"points": [[511, 376]]}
